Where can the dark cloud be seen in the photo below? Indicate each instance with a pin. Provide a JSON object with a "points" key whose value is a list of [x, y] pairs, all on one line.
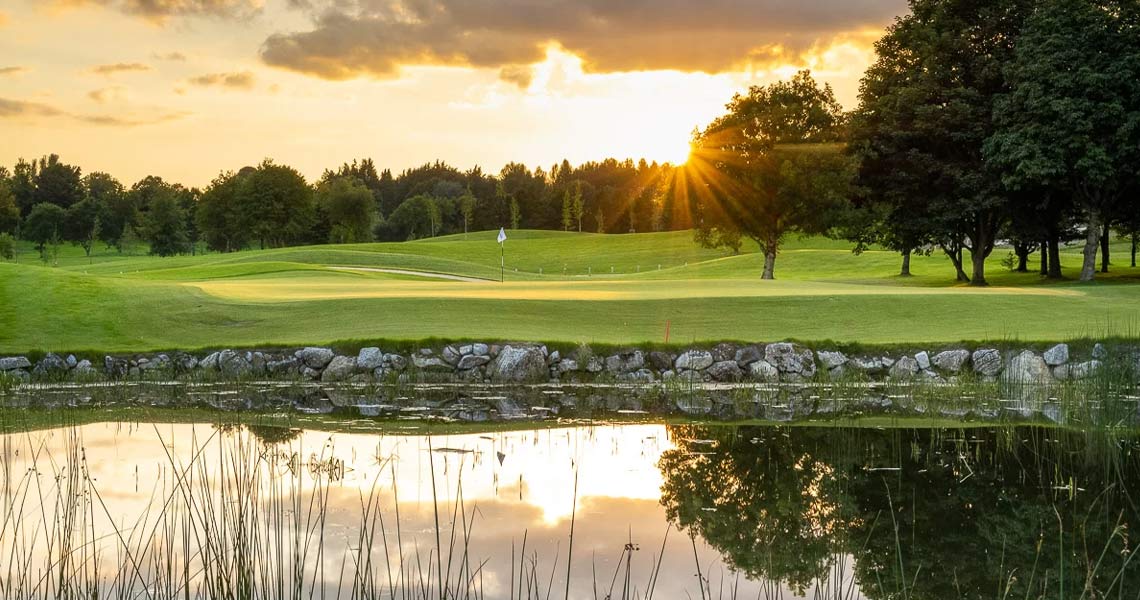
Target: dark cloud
{"points": [[19, 108], [119, 68], [351, 38], [236, 81], [160, 10], [15, 109], [13, 70], [520, 75]]}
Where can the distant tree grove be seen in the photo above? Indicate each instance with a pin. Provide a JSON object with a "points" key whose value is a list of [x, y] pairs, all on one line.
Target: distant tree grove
{"points": [[1009, 121]]}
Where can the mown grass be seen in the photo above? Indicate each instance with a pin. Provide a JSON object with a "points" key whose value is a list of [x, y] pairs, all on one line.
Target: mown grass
{"points": [[287, 296]]}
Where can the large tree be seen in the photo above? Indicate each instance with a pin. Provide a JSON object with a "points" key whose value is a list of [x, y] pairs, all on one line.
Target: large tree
{"points": [[219, 215], [9, 210], [772, 166], [44, 225], [278, 205], [165, 225], [925, 111], [349, 209], [57, 183], [1071, 120]]}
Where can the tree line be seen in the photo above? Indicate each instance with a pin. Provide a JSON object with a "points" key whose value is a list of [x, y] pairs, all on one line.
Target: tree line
{"points": [[48, 201], [1012, 121]]}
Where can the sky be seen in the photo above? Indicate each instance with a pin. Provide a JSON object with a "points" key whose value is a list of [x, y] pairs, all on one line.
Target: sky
{"points": [[186, 89]]}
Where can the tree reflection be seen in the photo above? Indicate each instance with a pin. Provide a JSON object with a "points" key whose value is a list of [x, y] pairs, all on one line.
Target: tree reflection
{"points": [[1026, 512]]}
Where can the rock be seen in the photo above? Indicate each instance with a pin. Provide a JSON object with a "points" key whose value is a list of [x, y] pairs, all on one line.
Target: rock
{"points": [[83, 367], [887, 361], [395, 362], [309, 372], [694, 360], [567, 365], [1057, 355], [723, 352], [1099, 352], [836, 373], [662, 361], [71, 361], [762, 370], [232, 363], [51, 364], [116, 367], [369, 358], [210, 363], [429, 363], [451, 355], [789, 359], [158, 363], [555, 357], [472, 361], [594, 365], [278, 367], [184, 363], [338, 369], [748, 355], [904, 368], [1028, 368], [726, 370], [987, 361], [830, 360], [869, 366], [1061, 372], [625, 362], [1084, 370], [519, 364], [923, 360], [950, 361], [12, 363], [638, 376], [315, 358]]}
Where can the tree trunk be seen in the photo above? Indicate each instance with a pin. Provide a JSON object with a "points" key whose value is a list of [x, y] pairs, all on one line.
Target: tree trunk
{"points": [[955, 254], [1105, 237], [978, 264], [1134, 244], [769, 261], [1022, 251], [905, 271], [1092, 245], [1055, 255], [1045, 257]]}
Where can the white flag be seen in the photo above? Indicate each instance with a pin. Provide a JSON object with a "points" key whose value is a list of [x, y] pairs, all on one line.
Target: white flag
{"points": [[502, 235]]}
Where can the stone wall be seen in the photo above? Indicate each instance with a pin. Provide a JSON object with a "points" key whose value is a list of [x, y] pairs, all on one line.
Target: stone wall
{"points": [[528, 363]]}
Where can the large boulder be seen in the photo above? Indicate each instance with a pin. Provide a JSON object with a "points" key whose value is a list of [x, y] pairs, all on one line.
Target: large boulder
{"points": [[52, 364], [725, 370], [662, 361], [1028, 368], [519, 364], [904, 368], [1084, 370], [339, 369], [748, 355], [1057, 355], [987, 361], [625, 362], [315, 358], [762, 370], [234, 363], [950, 361], [864, 364], [12, 363], [923, 360], [425, 362], [831, 360], [451, 355], [471, 361], [694, 360], [369, 358], [724, 351], [790, 359]]}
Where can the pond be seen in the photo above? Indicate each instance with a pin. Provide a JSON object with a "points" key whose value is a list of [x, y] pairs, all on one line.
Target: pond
{"points": [[642, 510]]}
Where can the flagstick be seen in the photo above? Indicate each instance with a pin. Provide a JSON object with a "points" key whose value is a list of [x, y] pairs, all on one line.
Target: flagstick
{"points": [[502, 261]]}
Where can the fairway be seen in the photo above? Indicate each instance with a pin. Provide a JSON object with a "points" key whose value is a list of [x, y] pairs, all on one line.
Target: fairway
{"points": [[563, 287]]}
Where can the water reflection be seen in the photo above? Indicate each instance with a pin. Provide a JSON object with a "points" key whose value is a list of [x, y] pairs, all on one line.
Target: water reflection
{"points": [[657, 511], [980, 513]]}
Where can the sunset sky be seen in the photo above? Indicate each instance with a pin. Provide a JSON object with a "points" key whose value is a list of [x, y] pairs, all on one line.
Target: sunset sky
{"points": [[187, 88]]}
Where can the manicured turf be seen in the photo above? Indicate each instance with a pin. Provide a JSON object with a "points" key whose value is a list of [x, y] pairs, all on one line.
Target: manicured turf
{"points": [[658, 281]]}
